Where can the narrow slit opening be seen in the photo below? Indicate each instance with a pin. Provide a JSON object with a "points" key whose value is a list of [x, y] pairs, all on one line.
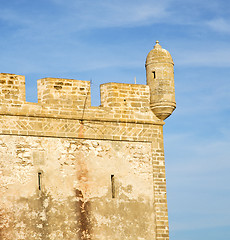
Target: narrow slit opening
{"points": [[154, 74], [39, 181], [113, 186]]}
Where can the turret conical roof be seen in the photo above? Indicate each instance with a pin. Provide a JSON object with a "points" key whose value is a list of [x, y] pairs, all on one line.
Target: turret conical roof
{"points": [[158, 55]]}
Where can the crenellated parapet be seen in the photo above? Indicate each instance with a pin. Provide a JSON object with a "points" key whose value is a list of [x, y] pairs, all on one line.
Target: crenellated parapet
{"points": [[69, 98]]}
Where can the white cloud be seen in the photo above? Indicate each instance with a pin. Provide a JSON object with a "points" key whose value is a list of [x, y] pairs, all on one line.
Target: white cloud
{"points": [[219, 25], [71, 16], [67, 16], [116, 14], [215, 57]]}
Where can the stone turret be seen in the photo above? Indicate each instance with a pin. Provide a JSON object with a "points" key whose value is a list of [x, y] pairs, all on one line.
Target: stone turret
{"points": [[160, 78]]}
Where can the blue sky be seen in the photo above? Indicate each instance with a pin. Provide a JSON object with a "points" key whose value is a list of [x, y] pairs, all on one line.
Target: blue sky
{"points": [[108, 41]]}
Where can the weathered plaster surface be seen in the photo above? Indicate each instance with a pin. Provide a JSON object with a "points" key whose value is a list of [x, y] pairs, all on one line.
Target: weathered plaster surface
{"points": [[75, 200]]}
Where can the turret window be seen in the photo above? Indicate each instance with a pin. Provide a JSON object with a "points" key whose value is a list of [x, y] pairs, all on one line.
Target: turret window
{"points": [[154, 74]]}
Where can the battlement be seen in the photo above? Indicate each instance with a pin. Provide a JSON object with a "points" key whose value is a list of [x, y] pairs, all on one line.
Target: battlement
{"points": [[12, 88], [66, 93], [71, 98], [125, 95]]}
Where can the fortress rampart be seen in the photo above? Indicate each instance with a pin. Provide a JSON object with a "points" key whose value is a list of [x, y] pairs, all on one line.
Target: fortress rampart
{"points": [[73, 171], [70, 98]]}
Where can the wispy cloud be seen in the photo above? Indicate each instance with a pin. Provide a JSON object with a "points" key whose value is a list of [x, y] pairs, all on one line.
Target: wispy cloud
{"points": [[219, 25], [75, 16], [116, 14], [217, 56], [61, 17]]}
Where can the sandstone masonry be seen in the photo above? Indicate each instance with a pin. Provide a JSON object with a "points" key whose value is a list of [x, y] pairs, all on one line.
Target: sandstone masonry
{"points": [[72, 171]]}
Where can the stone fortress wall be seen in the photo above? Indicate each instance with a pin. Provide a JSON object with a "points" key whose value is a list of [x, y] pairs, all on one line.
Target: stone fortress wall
{"points": [[72, 171]]}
